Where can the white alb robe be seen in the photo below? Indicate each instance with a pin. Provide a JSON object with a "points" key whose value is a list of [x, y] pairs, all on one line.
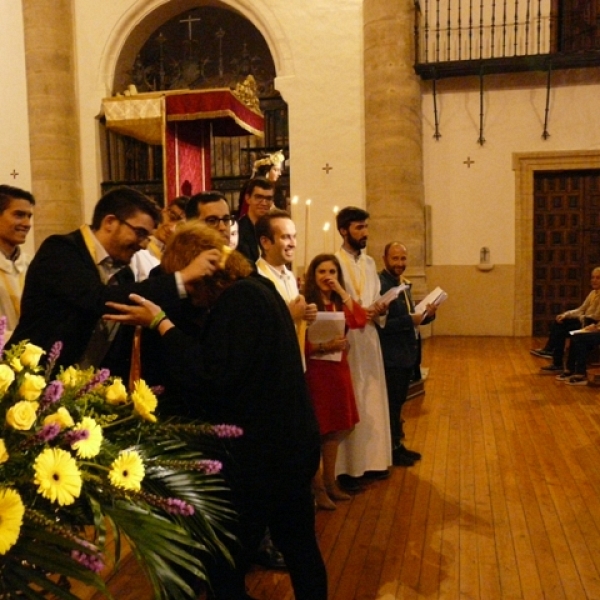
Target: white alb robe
{"points": [[369, 446], [12, 278]]}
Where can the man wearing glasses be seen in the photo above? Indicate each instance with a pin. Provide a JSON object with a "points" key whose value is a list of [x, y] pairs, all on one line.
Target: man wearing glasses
{"points": [[211, 208], [72, 277], [260, 195]]}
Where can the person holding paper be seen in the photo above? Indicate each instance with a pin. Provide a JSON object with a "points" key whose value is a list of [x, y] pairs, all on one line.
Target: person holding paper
{"points": [[366, 452], [399, 337], [327, 370]]}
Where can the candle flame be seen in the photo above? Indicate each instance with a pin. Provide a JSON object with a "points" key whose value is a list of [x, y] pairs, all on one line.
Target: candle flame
{"points": [[295, 200], [326, 226], [336, 210], [308, 202]]}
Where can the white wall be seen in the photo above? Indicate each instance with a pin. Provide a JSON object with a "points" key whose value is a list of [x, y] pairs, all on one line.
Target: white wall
{"points": [[14, 154]]}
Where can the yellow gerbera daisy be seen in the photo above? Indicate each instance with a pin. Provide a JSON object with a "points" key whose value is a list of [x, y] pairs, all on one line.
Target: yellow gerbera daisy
{"points": [[11, 517], [144, 401], [57, 476], [3, 451], [91, 446], [127, 471]]}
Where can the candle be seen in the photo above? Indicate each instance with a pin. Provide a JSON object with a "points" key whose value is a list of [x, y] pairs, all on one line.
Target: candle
{"points": [[306, 232], [325, 235], [293, 205], [336, 210]]}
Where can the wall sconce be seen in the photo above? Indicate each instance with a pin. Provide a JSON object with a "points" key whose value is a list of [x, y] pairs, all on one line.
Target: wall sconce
{"points": [[485, 259]]}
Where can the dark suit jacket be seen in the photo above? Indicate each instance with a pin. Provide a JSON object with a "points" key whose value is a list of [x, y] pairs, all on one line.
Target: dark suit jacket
{"points": [[64, 297], [244, 367], [399, 340], [247, 242]]}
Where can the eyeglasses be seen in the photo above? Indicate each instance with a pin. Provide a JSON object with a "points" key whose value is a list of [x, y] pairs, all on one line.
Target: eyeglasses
{"points": [[214, 221], [142, 235], [260, 198]]}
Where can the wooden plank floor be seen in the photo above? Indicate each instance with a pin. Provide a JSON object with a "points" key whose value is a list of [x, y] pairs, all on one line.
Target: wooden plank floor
{"points": [[505, 504]]}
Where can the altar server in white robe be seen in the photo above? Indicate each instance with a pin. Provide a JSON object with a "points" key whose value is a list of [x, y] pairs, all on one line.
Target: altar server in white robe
{"points": [[365, 451]]}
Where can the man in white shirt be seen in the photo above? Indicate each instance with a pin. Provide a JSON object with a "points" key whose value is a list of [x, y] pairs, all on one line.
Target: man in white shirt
{"points": [[16, 212]]}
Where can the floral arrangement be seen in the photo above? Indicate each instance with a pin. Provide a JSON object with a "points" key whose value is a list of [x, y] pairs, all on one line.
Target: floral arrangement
{"points": [[83, 461]]}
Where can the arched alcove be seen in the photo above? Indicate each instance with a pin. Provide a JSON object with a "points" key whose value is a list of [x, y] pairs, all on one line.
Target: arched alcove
{"points": [[185, 45]]}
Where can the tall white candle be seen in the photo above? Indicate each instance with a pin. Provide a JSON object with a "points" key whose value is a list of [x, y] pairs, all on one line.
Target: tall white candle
{"points": [[306, 232], [325, 235]]}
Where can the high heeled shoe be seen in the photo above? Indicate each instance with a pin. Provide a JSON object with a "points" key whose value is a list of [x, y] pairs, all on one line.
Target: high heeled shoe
{"points": [[322, 499], [335, 493]]}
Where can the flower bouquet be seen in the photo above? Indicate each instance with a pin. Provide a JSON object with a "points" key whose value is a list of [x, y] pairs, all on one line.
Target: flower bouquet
{"points": [[83, 461]]}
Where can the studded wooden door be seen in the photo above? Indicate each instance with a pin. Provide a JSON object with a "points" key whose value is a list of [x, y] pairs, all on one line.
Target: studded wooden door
{"points": [[566, 242]]}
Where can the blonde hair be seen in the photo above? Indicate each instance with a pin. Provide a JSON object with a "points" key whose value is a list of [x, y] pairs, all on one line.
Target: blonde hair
{"points": [[193, 238]]}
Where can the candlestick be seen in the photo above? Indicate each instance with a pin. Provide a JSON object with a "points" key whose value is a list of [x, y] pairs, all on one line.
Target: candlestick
{"points": [[306, 232], [325, 235], [336, 210]]}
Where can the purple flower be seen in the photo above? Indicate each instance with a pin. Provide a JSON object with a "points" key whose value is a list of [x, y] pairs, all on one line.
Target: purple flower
{"points": [[178, 507], [94, 562], [227, 431], [52, 394], [100, 377], [210, 467], [53, 357], [158, 390], [48, 432], [72, 437]]}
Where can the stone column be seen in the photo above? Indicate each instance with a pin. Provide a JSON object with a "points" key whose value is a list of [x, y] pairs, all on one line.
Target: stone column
{"points": [[393, 141], [53, 116]]}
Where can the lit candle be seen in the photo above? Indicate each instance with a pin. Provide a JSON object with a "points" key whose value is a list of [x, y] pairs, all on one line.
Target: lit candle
{"points": [[293, 205], [325, 235], [336, 210], [306, 232]]}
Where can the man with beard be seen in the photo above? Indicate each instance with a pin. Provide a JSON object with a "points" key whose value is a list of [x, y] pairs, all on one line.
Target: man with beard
{"points": [[73, 276], [400, 345], [367, 450]]}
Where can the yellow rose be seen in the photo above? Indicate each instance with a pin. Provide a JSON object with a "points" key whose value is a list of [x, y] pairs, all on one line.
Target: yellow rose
{"points": [[73, 377], [31, 355], [32, 386], [22, 415], [15, 363], [7, 376], [3, 452], [116, 393], [62, 417]]}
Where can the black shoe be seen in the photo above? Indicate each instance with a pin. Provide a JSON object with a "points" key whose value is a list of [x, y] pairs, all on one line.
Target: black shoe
{"points": [[376, 475], [402, 449], [349, 484], [269, 557], [401, 459], [551, 370]]}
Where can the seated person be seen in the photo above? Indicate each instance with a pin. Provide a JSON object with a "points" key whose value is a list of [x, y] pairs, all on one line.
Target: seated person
{"points": [[580, 346], [586, 314]]}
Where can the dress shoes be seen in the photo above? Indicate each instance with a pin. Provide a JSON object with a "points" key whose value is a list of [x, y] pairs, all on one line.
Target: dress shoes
{"points": [[376, 475], [269, 557], [401, 458], [402, 449], [349, 484]]}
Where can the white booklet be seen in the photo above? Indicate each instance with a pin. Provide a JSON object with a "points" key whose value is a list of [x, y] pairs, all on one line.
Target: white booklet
{"points": [[437, 296], [392, 294], [328, 325]]}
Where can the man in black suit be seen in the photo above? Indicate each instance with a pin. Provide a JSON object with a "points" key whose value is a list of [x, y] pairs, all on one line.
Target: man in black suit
{"points": [[400, 345], [72, 277]]}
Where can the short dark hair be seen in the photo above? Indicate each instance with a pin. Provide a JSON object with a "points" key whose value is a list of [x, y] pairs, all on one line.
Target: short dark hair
{"points": [[262, 227], [350, 214], [123, 202], [192, 208], [258, 182], [179, 202], [8, 193]]}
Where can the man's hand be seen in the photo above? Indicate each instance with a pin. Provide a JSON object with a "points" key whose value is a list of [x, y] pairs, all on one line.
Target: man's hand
{"points": [[310, 314], [376, 309], [298, 308]]}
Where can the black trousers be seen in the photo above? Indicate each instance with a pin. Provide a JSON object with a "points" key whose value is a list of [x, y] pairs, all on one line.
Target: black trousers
{"points": [[581, 345], [397, 380], [559, 333], [282, 500]]}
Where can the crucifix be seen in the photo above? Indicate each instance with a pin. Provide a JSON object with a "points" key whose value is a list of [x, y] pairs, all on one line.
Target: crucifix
{"points": [[468, 162], [326, 168], [14, 174], [189, 22]]}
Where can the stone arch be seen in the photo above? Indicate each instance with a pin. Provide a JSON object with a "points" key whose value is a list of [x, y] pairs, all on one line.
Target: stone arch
{"points": [[145, 16]]}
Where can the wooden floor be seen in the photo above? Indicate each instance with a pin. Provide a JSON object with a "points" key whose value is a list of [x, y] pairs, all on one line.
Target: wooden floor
{"points": [[505, 504]]}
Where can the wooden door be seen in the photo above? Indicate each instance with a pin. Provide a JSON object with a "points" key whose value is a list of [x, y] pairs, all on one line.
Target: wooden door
{"points": [[579, 25], [566, 242]]}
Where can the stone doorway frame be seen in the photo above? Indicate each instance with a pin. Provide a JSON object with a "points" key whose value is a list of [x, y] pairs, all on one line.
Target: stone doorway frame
{"points": [[525, 165]]}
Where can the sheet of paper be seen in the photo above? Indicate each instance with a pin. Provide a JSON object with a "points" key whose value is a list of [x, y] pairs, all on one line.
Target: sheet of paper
{"points": [[392, 294], [327, 326], [437, 296]]}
